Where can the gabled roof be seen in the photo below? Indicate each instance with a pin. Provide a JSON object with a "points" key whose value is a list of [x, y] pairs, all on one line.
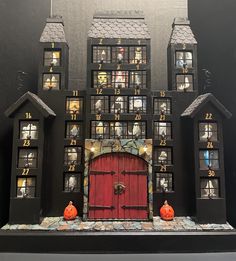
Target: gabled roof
{"points": [[182, 33], [201, 101], [128, 24], [53, 31], [35, 100]]}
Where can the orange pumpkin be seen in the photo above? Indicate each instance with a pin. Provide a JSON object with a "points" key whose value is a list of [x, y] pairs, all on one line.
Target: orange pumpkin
{"points": [[167, 212], [70, 212]]}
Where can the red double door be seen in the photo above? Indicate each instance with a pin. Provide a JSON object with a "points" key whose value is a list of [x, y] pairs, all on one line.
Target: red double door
{"points": [[118, 187]]}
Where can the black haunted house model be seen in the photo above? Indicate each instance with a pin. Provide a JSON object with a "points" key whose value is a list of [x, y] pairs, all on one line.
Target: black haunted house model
{"points": [[117, 149]]}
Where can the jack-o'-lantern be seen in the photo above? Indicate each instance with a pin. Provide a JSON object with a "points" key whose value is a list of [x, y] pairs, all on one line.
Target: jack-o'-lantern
{"points": [[167, 212], [70, 212]]}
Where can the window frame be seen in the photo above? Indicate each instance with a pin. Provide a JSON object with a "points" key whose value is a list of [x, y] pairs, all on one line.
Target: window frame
{"points": [[96, 48], [170, 181], [183, 83], [52, 50], [78, 151], [67, 130], [34, 186], [202, 132], [168, 162], [157, 135], [202, 159], [58, 82], [156, 105], [185, 64], [69, 99], [29, 135], [114, 53], [217, 189], [66, 187], [132, 59], [27, 164]]}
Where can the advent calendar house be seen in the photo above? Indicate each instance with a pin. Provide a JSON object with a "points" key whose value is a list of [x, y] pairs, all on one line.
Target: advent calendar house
{"points": [[117, 149]]}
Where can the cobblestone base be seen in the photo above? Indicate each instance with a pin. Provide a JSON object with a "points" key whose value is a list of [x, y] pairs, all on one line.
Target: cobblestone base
{"points": [[178, 224]]}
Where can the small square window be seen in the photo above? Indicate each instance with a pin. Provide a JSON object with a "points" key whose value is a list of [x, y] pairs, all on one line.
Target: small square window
{"points": [[99, 104], [120, 54], [184, 82], [118, 130], [29, 130], [162, 156], [118, 104], [162, 106], [138, 79], [208, 131], [162, 130], [183, 59], [164, 182], [136, 130], [101, 79], [26, 187], [51, 81], [101, 54], [74, 105], [73, 130], [120, 79], [27, 158], [209, 159], [72, 156], [137, 55], [52, 58], [99, 130], [72, 182], [137, 104], [210, 188]]}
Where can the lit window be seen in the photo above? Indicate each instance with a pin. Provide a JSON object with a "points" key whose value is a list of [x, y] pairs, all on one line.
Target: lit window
{"points": [[27, 158], [74, 105], [26, 187], [208, 131], [184, 82], [162, 106], [118, 130], [73, 130], [101, 54], [209, 188], [120, 79], [51, 81], [209, 159], [101, 79], [52, 58], [29, 130], [137, 54], [72, 182], [118, 104], [136, 130], [138, 79], [137, 104], [72, 156], [99, 130], [163, 156], [162, 130], [99, 104], [120, 54], [164, 182], [184, 59]]}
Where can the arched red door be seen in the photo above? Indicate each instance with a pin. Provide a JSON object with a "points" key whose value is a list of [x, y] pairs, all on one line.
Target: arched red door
{"points": [[118, 187]]}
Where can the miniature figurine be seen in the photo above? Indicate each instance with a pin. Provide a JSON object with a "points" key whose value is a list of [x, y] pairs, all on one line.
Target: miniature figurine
{"points": [[102, 80], [72, 183], [162, 128], [162, 157], [29, 132], [70, 212], [100, 129], [72, 156], [50, 83], [136, 104], [118, 105], [185, 85], [74, 132], [54, 58], [163, 184], [103, 55], [118, 129], [163, 108], [208, 132], [120, 79], [136, 130], [74, 106], [138, 55], [209, 190], [98, 106], [120, 55]]}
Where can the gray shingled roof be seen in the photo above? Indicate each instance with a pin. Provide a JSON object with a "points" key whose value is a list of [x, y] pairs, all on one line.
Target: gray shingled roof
{"points": [[35, 100], [53, 31], [200, 101], [119, 24], [182, 33]]}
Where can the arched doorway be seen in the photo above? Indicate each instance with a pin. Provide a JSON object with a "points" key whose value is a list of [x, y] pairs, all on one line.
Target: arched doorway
{"points": [[118, 187]]}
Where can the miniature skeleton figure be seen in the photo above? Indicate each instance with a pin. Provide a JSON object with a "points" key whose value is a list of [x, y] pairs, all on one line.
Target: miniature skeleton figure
{"points": [[163, 108], [72, 156], [208, 132], [118, 129], [162, 129], [138, 55], [98, 106], [72, 183], [136, 104], [163, 184], [185, 85], [120, 54], [102, 80], [29, 132], [74, 132], [118, 105], [162, 157], [120, 79], [209, 190], [74, 106]]}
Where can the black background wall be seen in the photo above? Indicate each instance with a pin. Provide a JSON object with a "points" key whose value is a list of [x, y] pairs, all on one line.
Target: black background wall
{"points": [[21, 24]]}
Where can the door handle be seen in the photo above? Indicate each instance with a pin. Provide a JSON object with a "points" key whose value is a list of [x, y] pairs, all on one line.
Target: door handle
{"points": [[119, 188]]}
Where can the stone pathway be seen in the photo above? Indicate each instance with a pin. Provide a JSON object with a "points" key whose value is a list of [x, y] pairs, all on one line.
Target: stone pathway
{"points": [[178, 224]]}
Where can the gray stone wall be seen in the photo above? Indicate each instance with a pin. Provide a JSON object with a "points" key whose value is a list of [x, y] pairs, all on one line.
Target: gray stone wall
{"points": [[78, 14]]}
